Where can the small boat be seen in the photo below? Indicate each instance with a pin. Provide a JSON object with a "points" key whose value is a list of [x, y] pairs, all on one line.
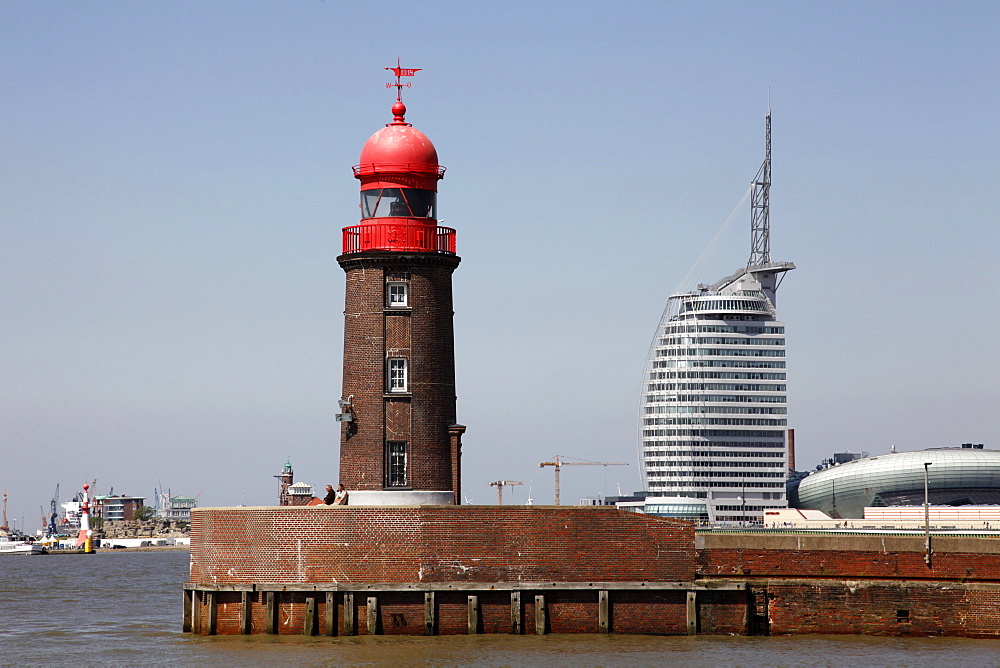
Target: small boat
{"points": [[9, 545]]}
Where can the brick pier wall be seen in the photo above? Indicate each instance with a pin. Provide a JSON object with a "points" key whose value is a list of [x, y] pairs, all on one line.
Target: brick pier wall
{"points": [[320, 569], [848, 556], [524, 569], [863, 584], [350, 544]]}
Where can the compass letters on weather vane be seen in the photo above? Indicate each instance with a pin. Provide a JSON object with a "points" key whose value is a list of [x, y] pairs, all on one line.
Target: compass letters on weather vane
{"points": [[401, 72]]}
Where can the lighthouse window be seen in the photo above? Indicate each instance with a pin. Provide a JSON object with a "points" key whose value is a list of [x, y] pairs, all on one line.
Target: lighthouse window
{"points": [[397, 294], [397, 374], [408, 202], [397, 463]]}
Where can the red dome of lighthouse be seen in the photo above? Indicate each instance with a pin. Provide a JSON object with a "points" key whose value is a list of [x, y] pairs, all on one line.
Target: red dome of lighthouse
{"points": [[399, 155]]}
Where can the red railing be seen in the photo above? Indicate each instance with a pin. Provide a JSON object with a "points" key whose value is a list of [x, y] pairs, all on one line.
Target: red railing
{"points": [[420, 168], [399, 235]]}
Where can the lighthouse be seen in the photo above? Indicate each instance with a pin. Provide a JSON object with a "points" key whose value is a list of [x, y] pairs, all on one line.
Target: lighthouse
{"points": [[400, 443]]}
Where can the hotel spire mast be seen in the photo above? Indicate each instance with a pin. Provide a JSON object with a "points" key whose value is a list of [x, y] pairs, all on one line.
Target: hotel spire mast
{"points": [[760, 207]]}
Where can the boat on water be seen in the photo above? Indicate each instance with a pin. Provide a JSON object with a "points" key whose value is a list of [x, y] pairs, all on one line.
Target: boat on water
{"points": [[10, 545]]}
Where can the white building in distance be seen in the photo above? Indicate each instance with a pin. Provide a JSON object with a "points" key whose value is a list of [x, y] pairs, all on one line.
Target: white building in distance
{"points": [[713, 412]]}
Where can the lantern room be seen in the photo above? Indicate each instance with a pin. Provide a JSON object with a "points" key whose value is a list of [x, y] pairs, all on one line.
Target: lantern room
{"points": [[399, 171]]}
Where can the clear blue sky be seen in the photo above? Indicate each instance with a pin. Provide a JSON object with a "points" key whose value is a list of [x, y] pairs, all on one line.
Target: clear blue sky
{"points": [[175, 176]]}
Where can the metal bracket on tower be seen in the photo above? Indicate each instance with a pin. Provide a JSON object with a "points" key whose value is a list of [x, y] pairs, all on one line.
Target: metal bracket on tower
{"points": [[347, 410]]}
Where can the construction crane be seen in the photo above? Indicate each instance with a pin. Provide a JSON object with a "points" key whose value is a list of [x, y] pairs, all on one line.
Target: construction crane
{"points": [[558, 463], [499, 485]]}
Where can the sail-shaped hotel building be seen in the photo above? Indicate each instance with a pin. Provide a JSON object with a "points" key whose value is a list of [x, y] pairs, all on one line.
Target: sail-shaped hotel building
{"points": [[713, 413]]}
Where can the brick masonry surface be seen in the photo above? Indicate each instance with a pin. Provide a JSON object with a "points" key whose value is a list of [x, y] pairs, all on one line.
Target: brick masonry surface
{"points": [[890, 557], [423, 334], [816, 589], [874, 585], [883, 608], [324, 544]]}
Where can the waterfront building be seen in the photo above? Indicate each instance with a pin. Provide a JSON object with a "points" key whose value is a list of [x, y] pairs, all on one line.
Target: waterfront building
{"points": [[300, 494], [178, 508], [967, 475], [174, 508], [116, 508], [713, 410]]}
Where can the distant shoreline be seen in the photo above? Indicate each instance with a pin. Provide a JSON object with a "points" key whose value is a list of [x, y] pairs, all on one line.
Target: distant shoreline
{"points": [[126, 550], [149, 548]]}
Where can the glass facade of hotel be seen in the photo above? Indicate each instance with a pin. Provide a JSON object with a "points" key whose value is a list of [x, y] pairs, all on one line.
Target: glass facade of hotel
{"points": [[713, 412]]}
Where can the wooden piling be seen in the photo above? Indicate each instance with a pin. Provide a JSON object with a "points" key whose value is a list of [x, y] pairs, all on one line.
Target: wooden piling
{"points": [[210, 603], [541, 615], [372, 615], [348, 613], [272, 611], [430, 627], [603, 611], [330, 614], [189, 595], [692, 613], [246, 615], [515, 613], [196, 612], [473, 611], [309, 626]]}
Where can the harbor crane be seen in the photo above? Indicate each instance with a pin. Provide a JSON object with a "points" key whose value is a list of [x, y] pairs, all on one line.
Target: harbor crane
{"points": [[558, 462], [499, 485]]}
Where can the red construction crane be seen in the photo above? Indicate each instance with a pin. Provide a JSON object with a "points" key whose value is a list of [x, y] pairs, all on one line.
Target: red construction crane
{"points": [[558, 463]]}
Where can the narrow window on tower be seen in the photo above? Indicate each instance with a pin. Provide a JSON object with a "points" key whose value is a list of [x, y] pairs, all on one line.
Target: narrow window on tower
{"points": [[397, 463], [397, 374], [397, 295]]}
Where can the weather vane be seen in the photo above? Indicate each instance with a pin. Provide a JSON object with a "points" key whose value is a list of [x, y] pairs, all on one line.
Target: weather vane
{"points": [[400, 71]]}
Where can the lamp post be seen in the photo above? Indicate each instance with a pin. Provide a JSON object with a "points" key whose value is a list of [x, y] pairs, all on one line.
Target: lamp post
{"points": [[927, 519]]}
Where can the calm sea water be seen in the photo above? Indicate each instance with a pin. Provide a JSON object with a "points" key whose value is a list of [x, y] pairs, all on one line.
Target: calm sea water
{"points": [[117, 608]]}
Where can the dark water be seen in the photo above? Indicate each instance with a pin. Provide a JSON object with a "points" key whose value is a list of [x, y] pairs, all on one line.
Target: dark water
{"points": [[118, 608]]}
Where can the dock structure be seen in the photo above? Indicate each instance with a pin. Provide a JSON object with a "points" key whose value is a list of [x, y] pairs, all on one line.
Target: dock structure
{"points": [[429, 570], [332, 609], [449, 569]]}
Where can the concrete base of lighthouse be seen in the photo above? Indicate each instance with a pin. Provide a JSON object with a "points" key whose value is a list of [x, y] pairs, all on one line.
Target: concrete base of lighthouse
{"points": [[395, 498]]}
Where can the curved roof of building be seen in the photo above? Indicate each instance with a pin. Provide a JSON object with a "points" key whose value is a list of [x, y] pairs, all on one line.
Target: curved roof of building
{"points": [[398, 148], [399, 145], [846, 489]]}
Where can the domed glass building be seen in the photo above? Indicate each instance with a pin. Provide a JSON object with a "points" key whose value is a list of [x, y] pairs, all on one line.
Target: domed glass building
{"points": [[955, 477]]}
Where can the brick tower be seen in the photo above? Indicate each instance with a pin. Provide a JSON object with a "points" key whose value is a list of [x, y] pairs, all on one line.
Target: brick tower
{"points": [[400, 443]]}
